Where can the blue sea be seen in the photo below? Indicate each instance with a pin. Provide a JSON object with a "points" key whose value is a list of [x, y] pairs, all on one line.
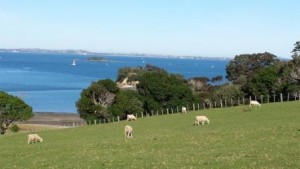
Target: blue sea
{"points": [[50, 83]]}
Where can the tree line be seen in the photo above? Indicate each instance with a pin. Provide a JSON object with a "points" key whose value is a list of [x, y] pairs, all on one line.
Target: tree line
{"points": [[248, 75]]}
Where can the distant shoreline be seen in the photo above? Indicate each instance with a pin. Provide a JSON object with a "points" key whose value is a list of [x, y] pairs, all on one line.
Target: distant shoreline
{"points": [[85, 52]]}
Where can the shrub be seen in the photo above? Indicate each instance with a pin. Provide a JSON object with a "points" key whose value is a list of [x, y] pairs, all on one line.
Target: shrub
{"points": [[15, 128]]}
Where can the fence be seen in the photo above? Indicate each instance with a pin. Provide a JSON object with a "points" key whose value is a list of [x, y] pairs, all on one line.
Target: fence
{"points": [[220, 103]]}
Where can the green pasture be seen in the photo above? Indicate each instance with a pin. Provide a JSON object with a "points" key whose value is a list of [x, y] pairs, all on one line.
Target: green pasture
{"points": [[265, 137]]}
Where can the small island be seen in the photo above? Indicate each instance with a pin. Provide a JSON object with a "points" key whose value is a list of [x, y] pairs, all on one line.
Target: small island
{"points": [[97, 59]]}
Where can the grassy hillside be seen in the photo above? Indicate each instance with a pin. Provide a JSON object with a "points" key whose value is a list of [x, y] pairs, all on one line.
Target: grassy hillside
{"points": [[266, 137]]}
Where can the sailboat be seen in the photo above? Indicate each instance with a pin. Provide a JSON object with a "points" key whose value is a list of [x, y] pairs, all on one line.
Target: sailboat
{"points": [[74, 62]]}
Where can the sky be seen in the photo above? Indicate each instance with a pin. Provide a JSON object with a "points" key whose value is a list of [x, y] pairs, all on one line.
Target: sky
{"points": [[210, 28]]}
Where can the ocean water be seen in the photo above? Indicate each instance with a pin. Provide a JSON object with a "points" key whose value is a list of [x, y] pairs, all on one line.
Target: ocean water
{"points": [[50, 83]]}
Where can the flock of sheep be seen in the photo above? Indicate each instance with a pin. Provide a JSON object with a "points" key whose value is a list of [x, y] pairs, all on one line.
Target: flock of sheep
{"points": [[34, 138], [129, 130]]}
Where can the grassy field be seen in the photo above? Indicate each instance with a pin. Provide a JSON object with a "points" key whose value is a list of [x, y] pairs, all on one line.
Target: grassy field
{"points": [[266, 137]]}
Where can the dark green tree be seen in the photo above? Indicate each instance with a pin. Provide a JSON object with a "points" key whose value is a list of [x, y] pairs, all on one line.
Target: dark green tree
{"points": [[243, 67], [12, 109], [96, 99], [162, 90], [264, 82], [126, 102], [216, 79]]}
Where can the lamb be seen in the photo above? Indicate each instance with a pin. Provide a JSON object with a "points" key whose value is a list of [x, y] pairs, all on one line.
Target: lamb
{"points": [[130, 117], [254, 103], [201, 120], [34, 138], [128, 131], [183, 110]]}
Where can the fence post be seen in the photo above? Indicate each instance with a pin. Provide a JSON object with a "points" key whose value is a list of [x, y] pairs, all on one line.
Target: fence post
{"points": [[142, 115], [162, 111], [151, 112], [221, 103], [118, 118], [177, 110], [281, 98], [136, 115], [95, 121], [274, 98], [225, 103], [198, 106], [73, 124], [215, 104], [261, 99], [172, 110], [167, 111], [288, 98]]}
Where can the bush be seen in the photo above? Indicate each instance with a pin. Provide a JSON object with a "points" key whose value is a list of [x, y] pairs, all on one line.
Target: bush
{"points": [[15, 128]]}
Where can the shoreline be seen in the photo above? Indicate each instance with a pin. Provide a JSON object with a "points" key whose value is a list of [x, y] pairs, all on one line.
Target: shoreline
{"points": [[53, 118]]}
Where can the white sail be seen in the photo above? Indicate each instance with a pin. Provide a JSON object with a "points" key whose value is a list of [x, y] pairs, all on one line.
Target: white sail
{"points": [[74, 62]]}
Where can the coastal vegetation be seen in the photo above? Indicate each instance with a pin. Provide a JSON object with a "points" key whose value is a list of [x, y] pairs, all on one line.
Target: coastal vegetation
{"points": [[154, 89], [12, 109], [265, 137], [96, 59]]}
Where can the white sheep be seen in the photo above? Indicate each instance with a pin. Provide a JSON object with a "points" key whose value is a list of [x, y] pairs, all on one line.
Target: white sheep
{"points": [[183, 110], [128, 131], [130, 117], [34, 138], [254, 103], [201, 120]]}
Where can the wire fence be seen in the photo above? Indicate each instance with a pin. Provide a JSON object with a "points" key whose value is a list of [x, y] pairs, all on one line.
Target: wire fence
{"points": [[209, 104]]}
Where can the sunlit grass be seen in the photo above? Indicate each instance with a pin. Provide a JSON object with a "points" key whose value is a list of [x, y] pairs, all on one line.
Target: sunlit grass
{"points": [[266, 137]]}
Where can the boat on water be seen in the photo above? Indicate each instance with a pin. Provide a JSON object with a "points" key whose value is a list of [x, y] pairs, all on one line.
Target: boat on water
{"points": [[74, 62]]}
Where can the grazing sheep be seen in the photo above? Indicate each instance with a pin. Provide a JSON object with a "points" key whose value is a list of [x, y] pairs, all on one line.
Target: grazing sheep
{"points": [[183, 110], [130, 117], [254, 103], [128, 131], [34, 138], [201, 120]]}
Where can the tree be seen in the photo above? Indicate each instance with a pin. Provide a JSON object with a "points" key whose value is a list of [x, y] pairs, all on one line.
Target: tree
{"points": [[216, 79], [227, 92], [296, 50], [264, 82], [290, 72], [243, 67], [12, 109], [95, 100], [126, 102], [162, 90]]}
